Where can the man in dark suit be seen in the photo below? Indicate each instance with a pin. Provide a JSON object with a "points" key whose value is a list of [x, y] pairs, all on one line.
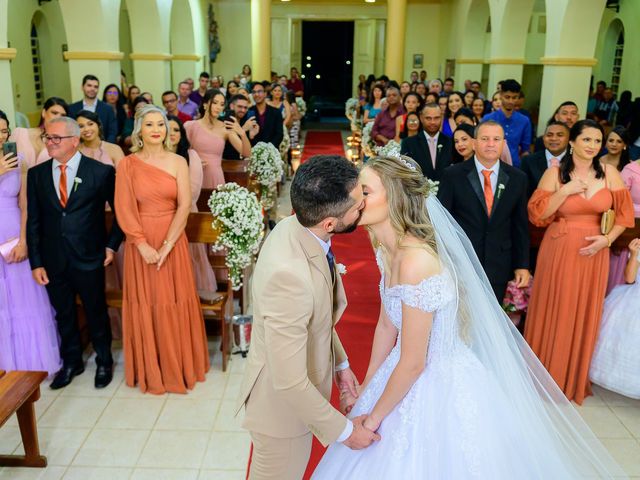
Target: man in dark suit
{"points": [[90, 87], [69, 245], [269, 118], [488, 198], [556, 141], [430, 148]]}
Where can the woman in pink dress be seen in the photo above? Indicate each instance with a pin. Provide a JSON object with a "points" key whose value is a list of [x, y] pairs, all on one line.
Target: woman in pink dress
{"points": [[94, 147], [208, 135], [28, 140], [205, 278]]}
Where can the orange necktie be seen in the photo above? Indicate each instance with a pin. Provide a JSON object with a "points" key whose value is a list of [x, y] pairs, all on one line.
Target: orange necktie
{"points": [[63, 186], [488, 191]]}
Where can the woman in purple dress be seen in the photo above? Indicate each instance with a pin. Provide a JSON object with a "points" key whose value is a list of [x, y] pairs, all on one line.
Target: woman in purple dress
{"points": [[28, 334]]}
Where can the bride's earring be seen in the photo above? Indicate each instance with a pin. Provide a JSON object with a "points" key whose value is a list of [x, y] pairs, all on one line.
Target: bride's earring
{"points": [[571, 151]]}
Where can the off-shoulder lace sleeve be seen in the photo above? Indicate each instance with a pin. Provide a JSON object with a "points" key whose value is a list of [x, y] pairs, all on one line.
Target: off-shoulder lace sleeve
{"points": [[429, 295], [536, 207], [623, 206]]}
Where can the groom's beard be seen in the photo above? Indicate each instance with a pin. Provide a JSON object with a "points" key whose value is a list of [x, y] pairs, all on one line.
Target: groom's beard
{"points": [[342, 228]]}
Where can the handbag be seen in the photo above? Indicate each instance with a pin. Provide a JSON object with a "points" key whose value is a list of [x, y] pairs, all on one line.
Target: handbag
{"points": [[607, 222], [6, 247]]}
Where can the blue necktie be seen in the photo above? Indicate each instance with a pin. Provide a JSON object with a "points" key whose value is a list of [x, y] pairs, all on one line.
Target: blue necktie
{"points": [[332, 264]]}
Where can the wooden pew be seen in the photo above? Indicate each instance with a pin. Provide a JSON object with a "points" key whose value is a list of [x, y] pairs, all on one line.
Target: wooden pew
{"points": [[537, 233], [18, 393], [199, 230]]}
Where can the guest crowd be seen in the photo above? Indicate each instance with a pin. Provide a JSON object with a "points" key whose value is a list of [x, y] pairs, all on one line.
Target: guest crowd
{"points": [[496, 179]]}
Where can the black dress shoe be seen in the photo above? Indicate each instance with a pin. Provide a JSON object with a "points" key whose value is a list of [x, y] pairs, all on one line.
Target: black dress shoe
{"points": [[64, 376], [104, 375]]}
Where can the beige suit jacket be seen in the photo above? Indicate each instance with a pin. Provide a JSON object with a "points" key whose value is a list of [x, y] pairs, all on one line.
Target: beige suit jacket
{"points": [[294, 345]]}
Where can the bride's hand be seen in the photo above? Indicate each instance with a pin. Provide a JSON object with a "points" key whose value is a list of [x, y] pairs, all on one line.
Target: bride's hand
{"points": [[370, 423]]}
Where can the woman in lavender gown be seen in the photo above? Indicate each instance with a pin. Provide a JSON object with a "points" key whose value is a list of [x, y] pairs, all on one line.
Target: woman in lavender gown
{"points": [[28, 334]]}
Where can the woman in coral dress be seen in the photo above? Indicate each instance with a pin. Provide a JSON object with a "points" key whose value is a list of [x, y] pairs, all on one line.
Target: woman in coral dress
{"points": [[208, 135], [164, 341], [573, 263]]}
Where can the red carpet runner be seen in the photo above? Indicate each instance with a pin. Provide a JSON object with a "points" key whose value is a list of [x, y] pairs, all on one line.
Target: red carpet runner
{"points": [[354, 251]]}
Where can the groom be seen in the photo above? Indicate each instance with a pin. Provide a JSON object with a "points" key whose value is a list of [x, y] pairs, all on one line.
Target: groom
{"points": [[295, 351]]}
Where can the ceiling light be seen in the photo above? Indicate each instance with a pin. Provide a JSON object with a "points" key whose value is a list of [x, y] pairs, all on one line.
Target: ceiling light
{"points": [[308, 57], [370, 1], [318, 76], [308, 65], [348, 62]]}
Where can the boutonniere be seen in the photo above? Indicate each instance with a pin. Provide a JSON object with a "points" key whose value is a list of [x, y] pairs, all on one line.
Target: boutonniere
{"points": [[439, 148], [341, 269], [500, 190], [76, 181]]}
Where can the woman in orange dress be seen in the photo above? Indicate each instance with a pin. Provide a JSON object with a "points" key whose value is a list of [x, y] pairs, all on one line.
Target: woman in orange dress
{"points": [[164, 341], [573, 263]]}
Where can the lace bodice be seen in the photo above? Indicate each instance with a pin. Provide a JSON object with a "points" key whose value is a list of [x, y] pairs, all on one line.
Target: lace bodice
{"points": [[434, 294]]}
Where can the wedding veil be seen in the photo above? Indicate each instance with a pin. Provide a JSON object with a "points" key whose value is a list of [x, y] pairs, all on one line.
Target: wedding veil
{"points": [[555, 438]]}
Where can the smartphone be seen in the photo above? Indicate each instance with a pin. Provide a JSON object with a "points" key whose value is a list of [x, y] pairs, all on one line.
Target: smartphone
{"points": [[9, 147]]}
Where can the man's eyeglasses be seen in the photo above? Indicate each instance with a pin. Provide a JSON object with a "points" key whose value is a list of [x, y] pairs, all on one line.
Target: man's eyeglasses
{"points": [[112, 92], [55, 139]]}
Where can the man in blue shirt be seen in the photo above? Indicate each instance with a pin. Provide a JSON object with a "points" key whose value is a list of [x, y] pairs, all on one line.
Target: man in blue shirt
{"points": [[517, 127]]}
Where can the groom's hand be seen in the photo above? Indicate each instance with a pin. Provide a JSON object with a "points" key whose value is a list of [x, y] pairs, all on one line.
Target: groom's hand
{"points": [[347, 382], [360, 437]]}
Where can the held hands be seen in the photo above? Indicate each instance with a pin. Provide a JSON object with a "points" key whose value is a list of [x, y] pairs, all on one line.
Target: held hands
{"points": [[149, 254], [348, 387], [164, 252], [7, 163], [598, 242], [522, 277], [361, 437]]}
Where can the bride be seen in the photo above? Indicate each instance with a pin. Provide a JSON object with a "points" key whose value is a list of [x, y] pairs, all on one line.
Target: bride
{"points": [[452, 388]]}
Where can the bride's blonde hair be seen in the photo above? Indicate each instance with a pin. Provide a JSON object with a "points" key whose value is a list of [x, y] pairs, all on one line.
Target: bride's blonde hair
{"points": [[407, 191]]}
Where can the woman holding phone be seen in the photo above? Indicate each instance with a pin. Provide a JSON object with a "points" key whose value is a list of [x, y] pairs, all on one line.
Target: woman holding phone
{"points": [[29, 339]]}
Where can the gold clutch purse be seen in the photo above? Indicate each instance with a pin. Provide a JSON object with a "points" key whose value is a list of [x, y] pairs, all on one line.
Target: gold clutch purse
{"points": [[607, 222]]}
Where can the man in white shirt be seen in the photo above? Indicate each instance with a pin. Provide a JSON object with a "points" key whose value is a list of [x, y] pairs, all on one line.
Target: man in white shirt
{"points": [[556, 141]]}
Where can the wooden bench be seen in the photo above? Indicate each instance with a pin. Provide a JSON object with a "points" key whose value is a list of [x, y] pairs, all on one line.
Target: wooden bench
{"points": [[199, 230], [537, 233], [18, 393]]}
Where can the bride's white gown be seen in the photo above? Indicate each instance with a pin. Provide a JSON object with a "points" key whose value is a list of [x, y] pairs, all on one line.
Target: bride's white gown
{"points": [[455, 422]]}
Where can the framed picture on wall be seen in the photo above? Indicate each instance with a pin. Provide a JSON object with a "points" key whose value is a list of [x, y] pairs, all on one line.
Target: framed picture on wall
{"points": [[417, 60]]}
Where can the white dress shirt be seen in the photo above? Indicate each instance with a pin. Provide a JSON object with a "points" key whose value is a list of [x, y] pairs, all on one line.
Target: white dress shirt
{"points": [[348, 430], [494, 174], [550, 155], [71, 172], [91, 107], [429, 137]]}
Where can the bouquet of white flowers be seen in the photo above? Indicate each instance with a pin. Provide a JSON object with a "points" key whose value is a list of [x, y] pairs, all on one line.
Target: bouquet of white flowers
{"points": [[302, 106], [351, 111], [367, 142], [285, 145], [391, 149], [266, 165], [237, 215]]}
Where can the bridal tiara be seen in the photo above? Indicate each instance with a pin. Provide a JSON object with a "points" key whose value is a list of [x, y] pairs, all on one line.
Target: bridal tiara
{"points": [[399, 157]]}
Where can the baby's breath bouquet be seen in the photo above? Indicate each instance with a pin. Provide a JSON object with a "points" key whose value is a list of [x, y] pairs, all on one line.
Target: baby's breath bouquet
{"points": [[391, 149], [237, 215], [367, 142], [266, 165], [302, 106], [351, 112]]}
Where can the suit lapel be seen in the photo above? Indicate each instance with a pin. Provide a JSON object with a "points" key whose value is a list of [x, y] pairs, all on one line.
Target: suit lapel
{"points": [[427, 154], [472, 176], [503, 179], [339, 299], [50, 187], [80, 174], [439, 158], [314, 253]]}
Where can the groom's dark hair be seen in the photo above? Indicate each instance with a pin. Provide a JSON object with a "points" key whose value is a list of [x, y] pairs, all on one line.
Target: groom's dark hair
{"points": [[321, 188]]}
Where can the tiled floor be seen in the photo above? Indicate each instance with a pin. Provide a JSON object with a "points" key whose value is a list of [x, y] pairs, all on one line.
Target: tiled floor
{"points": [[120, 433]]}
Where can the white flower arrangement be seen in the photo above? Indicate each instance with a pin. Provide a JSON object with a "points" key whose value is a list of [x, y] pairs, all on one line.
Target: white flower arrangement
{"points": [[266, 165], [367, 142], [237, 215], [391, 149], [302, 106], [501, 188], [433, 186], [285, 145], [341, 269], [351, 111], [77, 181]]}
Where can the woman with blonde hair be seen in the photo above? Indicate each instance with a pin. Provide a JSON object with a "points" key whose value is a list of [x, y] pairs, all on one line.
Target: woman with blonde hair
{"points": [[451, 385], [164, 341]]}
